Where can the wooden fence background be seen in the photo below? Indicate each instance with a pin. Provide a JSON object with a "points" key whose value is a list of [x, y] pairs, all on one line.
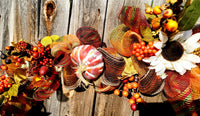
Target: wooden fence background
{"points": [[34, 19]]}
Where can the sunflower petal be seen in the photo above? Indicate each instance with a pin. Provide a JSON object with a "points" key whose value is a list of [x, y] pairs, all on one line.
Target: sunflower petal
{"points": [[163, 37], [160, 68], [162, 71], [191, 57], [187, 64], [155, 62], [178, 67], [158, 45], [191, 47], [192, 43], [158, 52], [168, 65]]}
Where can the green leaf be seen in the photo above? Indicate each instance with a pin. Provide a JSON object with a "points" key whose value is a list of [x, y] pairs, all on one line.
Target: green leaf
{"points": [[190, 16], [146, 33], [13, 91], [150, 17]]}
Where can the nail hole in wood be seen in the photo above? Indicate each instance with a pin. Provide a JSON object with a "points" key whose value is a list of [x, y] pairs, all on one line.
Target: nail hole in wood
{"points": [[50, 8], [98, 11]]}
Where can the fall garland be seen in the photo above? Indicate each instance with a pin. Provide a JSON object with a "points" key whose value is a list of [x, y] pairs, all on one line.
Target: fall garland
{"points": [[153, 52]]}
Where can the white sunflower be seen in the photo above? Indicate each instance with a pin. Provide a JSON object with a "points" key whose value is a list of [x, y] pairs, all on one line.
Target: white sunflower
{"points": [[175, 54]]}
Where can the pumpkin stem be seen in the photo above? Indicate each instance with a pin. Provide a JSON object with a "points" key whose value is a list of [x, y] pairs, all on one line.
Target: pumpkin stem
{"points": [[79, 73]]}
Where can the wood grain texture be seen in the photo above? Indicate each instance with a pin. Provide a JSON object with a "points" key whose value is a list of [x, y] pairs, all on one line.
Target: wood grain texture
{"points": [[5, 13], [23, 22], [88, 13], [158, 2], [111, 105], [60, 21]]}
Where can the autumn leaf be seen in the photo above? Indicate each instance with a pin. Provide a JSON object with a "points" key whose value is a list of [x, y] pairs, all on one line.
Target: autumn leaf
{"points": [[46, 41], [146, 33], [19, 75], [129, 69], [13, 91], [54, 37]]}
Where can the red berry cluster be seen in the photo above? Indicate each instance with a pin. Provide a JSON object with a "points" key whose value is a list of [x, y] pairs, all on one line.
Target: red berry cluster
{"points": [[22, 46], [140, 50], [4, 83], [41, 56], [129, 90], [18, 61]]}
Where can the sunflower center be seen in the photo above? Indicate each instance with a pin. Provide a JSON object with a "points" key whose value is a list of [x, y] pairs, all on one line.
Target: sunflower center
{"points": [[172, 51]]}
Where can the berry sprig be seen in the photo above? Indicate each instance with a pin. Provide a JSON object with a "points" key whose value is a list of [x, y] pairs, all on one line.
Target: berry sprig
{"points": [[41, 56], [140, 50], [164, 18], [130, 90]]}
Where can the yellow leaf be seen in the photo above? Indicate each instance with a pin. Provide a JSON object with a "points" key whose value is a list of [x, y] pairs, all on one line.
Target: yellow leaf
{"points": [[54, 37], [46, 41], [129, 69], [146, 33], [13, 91], [14, 44], [19, 75]]}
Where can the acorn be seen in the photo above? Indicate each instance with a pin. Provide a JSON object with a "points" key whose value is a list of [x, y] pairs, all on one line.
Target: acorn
{"points": [[8, 61], [3, 56]]}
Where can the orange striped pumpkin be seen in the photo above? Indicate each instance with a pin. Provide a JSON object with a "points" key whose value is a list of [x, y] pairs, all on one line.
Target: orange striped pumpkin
{"points": [[87, 62]]}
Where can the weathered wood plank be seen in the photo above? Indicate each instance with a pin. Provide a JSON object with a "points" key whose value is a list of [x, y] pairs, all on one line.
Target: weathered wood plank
{"points": [[5, 13], [18, 21], [109, 104], [158, 2], [57, 26], [25, 17], [84, 13], [22, 20], [59, 23], [88, 13]]}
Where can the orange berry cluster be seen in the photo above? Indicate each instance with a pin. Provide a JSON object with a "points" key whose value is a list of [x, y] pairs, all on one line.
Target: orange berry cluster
{"points": [[129, 90], [141, 51], [4, 83], [167, 18]]}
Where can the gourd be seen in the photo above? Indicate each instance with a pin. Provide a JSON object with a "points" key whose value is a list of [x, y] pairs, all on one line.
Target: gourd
{"points": [[87, 63]]}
